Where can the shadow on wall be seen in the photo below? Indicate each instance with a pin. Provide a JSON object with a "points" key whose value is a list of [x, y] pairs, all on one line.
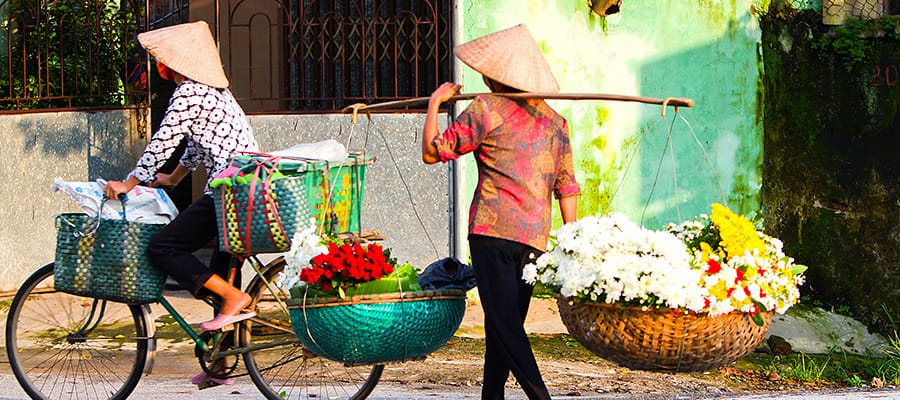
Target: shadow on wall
{"points": [[96, 138], [664, 172]]}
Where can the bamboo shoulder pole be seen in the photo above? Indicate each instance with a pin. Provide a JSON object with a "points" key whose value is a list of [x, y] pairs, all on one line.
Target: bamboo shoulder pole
{"points": [[399, 104]]}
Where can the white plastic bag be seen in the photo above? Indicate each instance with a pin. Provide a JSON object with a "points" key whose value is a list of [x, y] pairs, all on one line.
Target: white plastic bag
{"points": [[328, 150], [143, 204]]}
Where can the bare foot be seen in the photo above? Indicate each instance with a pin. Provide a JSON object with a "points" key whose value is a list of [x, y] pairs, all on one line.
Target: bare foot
{"points": [[234, 302]]}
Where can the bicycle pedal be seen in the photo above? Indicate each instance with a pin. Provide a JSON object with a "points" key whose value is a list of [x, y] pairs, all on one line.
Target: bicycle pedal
{"points": [[207, 384]]}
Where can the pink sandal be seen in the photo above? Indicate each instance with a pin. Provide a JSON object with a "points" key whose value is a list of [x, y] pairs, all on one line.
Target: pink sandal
{"points": [[223, 320], [203, 379]]}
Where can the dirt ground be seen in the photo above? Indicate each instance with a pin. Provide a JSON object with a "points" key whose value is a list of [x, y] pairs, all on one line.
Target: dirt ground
{"points": [[571, 370]]}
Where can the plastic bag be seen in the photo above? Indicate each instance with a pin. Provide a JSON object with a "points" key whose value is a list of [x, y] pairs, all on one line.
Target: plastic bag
{"points": [[143, 204], [328, 150], [447, 273]]}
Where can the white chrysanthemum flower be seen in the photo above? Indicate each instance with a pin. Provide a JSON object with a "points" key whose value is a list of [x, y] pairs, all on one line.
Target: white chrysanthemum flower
{"points": [[613, 260], [305, 244]]}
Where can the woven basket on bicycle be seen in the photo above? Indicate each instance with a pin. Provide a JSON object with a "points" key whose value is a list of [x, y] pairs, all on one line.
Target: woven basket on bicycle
{"points": [[378, 328], [106, 259], [661, 340]]}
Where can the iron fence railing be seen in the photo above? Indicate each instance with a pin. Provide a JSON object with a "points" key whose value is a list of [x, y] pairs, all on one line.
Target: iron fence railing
{"points": [[66, 53], [312, 55]]}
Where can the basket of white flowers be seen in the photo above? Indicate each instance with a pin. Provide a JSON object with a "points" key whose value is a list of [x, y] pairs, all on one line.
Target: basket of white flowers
{"points": [[695, 296]]}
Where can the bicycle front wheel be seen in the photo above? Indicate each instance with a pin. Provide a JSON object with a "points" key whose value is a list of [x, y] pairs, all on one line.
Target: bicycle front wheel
{"points": [[287, 370], [62, 346]]}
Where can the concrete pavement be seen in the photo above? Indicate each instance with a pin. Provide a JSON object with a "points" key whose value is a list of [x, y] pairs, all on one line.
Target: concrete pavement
{"points": [[157, 387]]}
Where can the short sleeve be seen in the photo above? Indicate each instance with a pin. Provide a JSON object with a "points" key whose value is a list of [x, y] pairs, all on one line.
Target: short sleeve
{"points": [[466, 132]]}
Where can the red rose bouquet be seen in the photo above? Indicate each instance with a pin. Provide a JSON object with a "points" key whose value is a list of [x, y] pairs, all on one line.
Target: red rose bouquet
{"points": [[319, 266], [348, 263]]}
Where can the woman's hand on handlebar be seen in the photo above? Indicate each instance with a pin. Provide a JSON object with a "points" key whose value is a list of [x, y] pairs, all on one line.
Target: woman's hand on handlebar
{"points": [[114, 188]]}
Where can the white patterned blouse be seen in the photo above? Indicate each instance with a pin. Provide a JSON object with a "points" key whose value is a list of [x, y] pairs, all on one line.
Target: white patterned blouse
{"points": [[213, 123]]}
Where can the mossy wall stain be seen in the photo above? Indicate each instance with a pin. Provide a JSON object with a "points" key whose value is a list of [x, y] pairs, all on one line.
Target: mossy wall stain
{"points": [[832, 172]]}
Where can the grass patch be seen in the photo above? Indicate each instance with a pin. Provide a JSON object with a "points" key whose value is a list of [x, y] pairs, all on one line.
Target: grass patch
{"points": [[889, 370], [837, 369], [559, 346]]}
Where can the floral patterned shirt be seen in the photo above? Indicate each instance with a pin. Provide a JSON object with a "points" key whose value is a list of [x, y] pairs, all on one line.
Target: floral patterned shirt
{"points": [[523, 155], [213, 123]]}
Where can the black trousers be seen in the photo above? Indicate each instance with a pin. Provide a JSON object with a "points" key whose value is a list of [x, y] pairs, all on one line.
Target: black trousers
{"points": [[171, 250], [505, 298]]}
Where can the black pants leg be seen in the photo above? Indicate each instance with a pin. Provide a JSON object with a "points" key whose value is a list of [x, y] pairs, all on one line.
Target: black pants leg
{"points": [[171, 250], [505, 298]]}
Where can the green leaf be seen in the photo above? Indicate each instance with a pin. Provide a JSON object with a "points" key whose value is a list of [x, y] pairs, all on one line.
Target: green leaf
{"points": [[757, 319], [403, 278], [798, 269]]}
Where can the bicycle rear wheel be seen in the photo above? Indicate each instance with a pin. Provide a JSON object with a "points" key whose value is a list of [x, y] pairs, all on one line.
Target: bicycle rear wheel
{"points": [[289, 370], [62, 346]]}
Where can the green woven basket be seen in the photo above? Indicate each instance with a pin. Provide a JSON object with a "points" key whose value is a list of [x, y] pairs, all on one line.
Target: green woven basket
{"points": [[106, 259], [263, 218], [381, 328]]}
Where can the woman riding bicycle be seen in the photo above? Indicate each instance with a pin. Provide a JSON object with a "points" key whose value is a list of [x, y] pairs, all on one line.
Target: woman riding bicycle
{"points": [[203, 112]]}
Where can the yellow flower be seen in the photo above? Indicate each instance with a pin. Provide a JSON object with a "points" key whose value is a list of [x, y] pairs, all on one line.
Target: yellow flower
{"points": [[750, 272], [705, 251], [737, 232], [719, 290]]}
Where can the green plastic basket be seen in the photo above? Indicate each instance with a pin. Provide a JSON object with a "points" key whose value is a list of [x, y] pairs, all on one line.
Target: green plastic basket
{"points": [[334, 192], [106, 259], [377, 329]]}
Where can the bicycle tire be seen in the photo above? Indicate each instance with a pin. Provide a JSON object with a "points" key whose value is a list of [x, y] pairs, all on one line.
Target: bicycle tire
{"points": [[291, 371], [50, 361]]}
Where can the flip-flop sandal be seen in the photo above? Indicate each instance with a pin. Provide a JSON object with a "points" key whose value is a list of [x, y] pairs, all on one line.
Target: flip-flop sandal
{"points": [[223, 320], [203, 378]]}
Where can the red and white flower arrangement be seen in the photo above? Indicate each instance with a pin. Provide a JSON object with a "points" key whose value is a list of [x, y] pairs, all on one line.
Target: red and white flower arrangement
{"points": [[327, 265]]}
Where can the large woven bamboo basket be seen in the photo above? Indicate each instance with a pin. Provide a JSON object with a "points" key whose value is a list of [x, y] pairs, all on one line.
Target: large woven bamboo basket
{"points": [[660, 340], [378, 328]]}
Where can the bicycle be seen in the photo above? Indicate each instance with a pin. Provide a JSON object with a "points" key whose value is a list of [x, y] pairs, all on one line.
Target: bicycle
{"points": [[64, 346]]}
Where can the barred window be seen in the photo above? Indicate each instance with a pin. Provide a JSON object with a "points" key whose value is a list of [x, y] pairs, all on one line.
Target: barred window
{"points": [[334, 53]]}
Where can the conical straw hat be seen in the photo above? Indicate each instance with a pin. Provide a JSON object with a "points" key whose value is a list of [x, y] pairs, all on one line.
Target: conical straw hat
{"points": [[510, 57], [189, 49]]}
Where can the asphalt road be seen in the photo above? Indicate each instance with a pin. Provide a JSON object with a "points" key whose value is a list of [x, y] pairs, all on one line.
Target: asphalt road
{"points": [[154, 387]]}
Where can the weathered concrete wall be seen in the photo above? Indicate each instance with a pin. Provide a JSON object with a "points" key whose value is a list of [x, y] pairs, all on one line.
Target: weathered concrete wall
{"points": [[404, 199], [37, 148]]}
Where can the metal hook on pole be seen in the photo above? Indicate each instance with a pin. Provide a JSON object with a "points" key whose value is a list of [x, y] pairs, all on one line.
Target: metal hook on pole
{"points": [[356, 107], [665, 104]]}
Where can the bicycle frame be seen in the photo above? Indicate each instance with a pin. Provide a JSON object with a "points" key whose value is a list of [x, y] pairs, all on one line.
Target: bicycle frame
{"points": [[149, 321]]}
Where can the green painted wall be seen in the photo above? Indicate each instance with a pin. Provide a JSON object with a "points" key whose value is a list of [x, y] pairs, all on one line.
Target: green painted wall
{"points": [[705, 50], [792, 130]]}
